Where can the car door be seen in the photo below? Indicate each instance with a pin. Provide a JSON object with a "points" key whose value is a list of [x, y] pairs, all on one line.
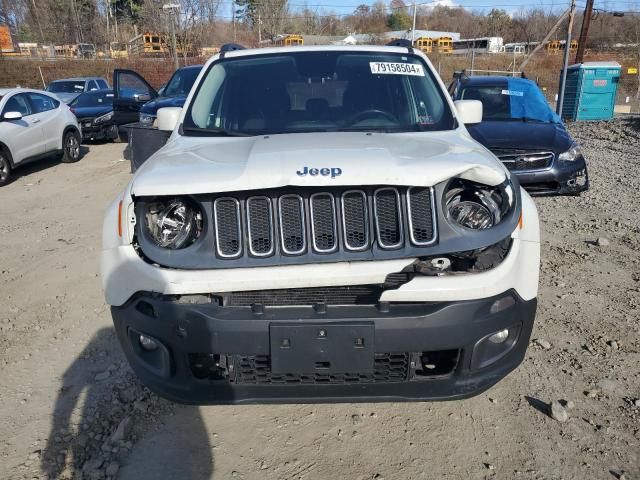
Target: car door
{"points": [[47, 109], [24, 136], [131, 91]]}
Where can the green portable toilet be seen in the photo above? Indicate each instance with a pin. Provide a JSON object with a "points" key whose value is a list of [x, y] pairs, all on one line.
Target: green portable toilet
{"points": [[590, 93]]}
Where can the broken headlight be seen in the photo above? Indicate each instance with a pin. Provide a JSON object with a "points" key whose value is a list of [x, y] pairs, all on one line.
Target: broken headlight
{"points": [[103, 118], [173, 223], [572, 154], [477, 206]]}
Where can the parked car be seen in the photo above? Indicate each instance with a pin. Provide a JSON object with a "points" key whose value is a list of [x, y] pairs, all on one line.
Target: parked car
{"points": [[33, 125], [94, 111], [66, 89], [137, 101], [520, 128], [321, 226]]}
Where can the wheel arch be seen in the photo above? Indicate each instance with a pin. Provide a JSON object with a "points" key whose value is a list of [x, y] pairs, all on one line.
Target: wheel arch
{"points": [[5, 148], [69, 128]]}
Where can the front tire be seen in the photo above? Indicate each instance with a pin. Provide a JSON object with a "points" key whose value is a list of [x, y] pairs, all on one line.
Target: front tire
{"points": [[71, 147], [5, 168]]}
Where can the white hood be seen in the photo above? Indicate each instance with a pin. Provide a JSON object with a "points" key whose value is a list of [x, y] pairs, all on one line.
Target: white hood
{"points": [[192, 165]]}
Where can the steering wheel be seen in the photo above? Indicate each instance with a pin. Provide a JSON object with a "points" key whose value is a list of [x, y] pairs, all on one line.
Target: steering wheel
{"points": [[358, 117]]}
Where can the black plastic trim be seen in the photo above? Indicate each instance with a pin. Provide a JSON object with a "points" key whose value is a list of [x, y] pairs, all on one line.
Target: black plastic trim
{"points": [[415, 327], [201, 254]]}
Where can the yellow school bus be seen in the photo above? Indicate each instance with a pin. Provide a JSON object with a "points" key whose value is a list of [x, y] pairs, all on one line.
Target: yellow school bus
{"points": [[289, 41], [445, 45], [148, 44], [425, 44], [118, 50], [554, 46]]}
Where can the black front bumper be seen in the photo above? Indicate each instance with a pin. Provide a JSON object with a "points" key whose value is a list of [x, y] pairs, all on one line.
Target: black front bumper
{"points": [[98, 132], [451, 335], [562, 178]]}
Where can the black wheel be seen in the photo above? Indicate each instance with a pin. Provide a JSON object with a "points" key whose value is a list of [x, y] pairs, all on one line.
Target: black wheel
{"points": [[5, 168], [70, 147]]}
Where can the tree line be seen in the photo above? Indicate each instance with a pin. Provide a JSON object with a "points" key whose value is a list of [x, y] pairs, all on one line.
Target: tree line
{"points": [[211, 22]]}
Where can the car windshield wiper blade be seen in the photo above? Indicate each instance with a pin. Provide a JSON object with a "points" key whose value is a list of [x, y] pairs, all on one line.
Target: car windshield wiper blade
{"points": [[215, 132], [411, 128]]}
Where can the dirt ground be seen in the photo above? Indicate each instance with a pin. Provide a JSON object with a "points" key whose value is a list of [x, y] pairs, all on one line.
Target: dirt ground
{"points": [[71, 408]]}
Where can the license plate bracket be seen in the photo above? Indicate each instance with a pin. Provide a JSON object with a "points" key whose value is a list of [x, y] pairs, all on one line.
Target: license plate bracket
{"points": [[322, 348]]}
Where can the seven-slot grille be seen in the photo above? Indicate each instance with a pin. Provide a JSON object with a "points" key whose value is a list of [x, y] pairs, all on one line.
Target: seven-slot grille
{"points": [[324, 222], [519, 160]]}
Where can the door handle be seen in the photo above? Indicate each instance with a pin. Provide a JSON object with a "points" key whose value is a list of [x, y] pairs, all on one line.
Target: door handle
{"points": [[37, 120]]}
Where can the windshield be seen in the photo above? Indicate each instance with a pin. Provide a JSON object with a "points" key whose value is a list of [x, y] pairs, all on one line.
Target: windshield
{"points": [[94, 99], [517, 100], [181, 82], [318, 92], [66, 87]]}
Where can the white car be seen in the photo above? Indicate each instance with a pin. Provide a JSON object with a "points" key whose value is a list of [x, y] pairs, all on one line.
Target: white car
{"points": [[320, 226], [34, 124]]}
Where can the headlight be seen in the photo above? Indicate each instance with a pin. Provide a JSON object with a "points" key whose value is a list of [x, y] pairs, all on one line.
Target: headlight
{"points": [[146, 119], [174, 223], [476, 206], [572, 154], [104, 118]]}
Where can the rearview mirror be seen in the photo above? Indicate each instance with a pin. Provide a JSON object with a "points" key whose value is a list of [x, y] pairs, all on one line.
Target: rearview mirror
{"points": [[141, 97], [168, 118], [469, 111], [12, 116]]}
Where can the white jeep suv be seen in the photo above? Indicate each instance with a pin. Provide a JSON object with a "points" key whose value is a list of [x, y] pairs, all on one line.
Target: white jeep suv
{"points": [[321, 226], [33, 125]]}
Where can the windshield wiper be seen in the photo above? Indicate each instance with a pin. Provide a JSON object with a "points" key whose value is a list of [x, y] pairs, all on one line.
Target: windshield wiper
{"points": [[405, 129], [214, 132]]}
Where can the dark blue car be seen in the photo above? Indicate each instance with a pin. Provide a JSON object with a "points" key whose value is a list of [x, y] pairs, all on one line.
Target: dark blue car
{"points": [[94, 111], [137, 101], [520, 128]]}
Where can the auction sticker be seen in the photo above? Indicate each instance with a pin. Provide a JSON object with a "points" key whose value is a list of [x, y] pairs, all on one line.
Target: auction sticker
{"points": [[513, 93], [392, 68]]}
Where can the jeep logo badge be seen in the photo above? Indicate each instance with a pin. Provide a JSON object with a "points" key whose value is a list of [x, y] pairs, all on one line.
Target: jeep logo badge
{"points": [[325, 172]]}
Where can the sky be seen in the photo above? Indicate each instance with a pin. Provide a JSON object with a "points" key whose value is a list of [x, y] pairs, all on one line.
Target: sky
{"points": [[343, 7]]}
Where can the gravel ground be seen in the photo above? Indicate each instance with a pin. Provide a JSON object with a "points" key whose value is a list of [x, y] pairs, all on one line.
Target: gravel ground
{"points": [[71, 408]]}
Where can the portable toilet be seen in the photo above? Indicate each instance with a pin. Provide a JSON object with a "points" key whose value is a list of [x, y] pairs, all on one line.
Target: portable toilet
{"points": [[590, 91]]}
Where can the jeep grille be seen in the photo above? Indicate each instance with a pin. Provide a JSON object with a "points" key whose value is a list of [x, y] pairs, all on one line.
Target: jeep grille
{"points": [[323, 222]]}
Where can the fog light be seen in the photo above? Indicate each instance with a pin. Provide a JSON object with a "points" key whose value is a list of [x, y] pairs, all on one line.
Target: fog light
{"points": [[499, 337], [147, 343]]}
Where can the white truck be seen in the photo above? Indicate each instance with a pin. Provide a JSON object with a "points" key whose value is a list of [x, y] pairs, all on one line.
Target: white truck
{"points": [[321, 227]]}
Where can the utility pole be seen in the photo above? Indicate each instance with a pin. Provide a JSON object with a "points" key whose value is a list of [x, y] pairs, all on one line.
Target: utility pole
{"points": [[413, 30], [565, 63], [108, 5], [233, 19], [172, 8], [584, 31]]}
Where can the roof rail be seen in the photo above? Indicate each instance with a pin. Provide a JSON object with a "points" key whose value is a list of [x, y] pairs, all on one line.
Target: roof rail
{"points": [[230, 47], [401, 42]]}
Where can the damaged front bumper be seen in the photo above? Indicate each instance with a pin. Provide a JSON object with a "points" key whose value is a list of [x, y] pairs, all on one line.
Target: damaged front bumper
{"points": [[562, 178], [211, 354]]}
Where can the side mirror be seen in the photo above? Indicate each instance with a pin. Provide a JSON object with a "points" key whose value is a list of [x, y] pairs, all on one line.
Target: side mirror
{"points": [[168, 118], [12, 116], [141, 97], [469, 111]]}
